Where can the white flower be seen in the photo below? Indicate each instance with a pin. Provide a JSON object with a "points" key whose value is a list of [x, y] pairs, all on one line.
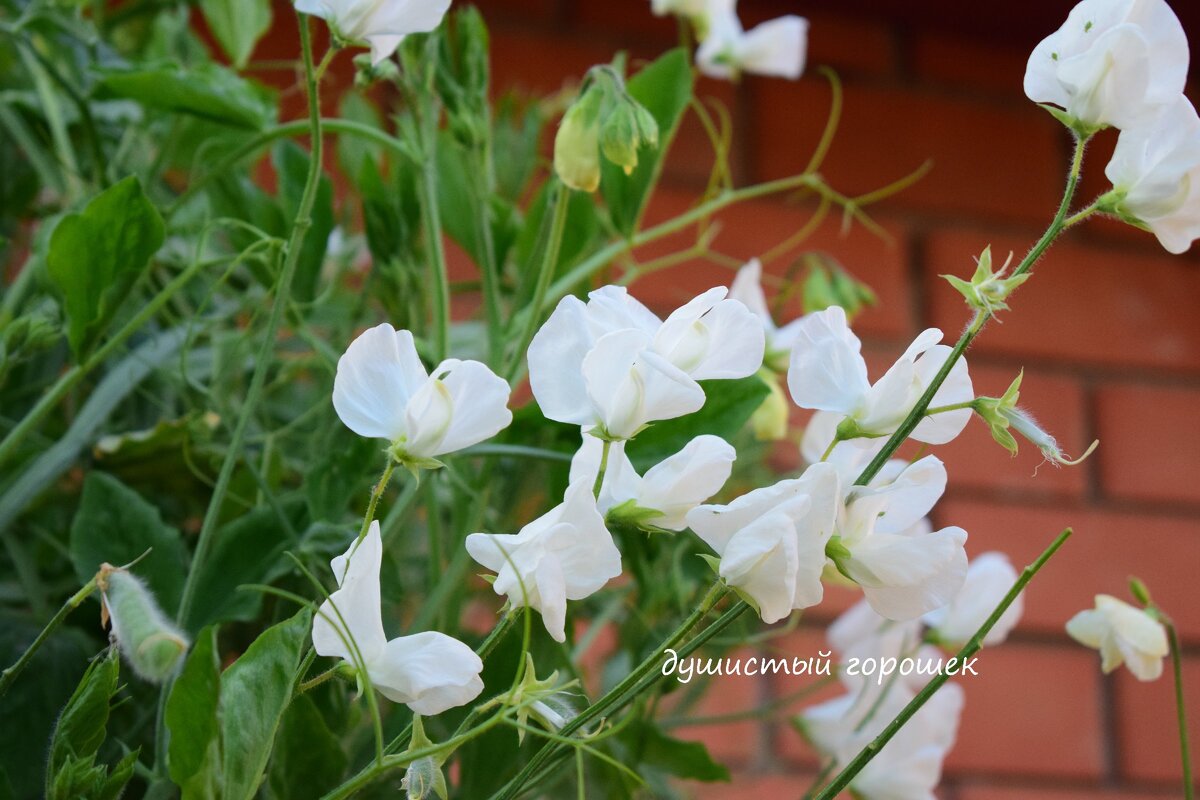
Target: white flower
{"points": [[885, 546], [772, 540], [1111, 62], [382, 391], [1155, 173], [611, 363], [1123, 634], [429, 672], [747, 289], [989, 578], [776, 47], [382, 24], [828, 373], [671, 488], [566, 554], [692, 9]]}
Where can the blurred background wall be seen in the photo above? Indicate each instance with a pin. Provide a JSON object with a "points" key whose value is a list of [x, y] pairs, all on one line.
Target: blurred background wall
{"points": [[1108, 334]]}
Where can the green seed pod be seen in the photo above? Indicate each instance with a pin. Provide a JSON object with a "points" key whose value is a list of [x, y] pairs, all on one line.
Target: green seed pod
{"points": [[152, 645]]}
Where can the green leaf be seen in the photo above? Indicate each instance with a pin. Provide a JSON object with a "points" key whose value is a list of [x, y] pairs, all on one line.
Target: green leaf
{"points": [[727, 407], [254, 694], [237, 25], [308, 759], [665, 89], [95, 257], [194, 755], [291, 165], [115, 524], [676, 757], [247, 550], [210, 91]]}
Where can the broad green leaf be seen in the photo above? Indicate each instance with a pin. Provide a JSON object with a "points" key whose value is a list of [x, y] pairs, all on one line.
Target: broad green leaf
{"points": [[116, 525], [665, 89], [676, 757], [95, 257], [209, 91], [255, 692], [194, 755], [727, 407], [291, 165], [247, 550], [308, 759], [237, 25]]}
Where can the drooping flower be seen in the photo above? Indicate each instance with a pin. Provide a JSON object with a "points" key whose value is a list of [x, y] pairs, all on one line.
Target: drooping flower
{"points": [[1155, 173], [668, 491], [989, 578], [828, 373], [772, 540], [747, 289], [565, 554], [382, 391], [777, 47], [612, 364], [1123, 634], [382, 24], [429, 672], [1110, 63]]}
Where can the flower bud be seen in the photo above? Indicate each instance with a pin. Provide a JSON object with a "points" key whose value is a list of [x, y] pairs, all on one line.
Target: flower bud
{"points": [[577, 145], [829, 285], [770, 419], [152, 645], [627, 129]]}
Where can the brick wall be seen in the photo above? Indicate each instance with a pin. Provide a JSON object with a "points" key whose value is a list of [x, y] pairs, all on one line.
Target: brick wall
{"points": [[1107, 333]]}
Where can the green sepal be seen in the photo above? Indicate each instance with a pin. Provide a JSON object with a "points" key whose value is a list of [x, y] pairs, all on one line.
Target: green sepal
{"points": [[1080, 128]]}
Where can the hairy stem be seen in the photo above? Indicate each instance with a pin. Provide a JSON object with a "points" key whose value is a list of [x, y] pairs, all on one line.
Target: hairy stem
{"points": [[10, 674]]}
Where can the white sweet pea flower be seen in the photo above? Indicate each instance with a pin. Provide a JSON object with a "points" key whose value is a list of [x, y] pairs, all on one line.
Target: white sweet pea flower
{"points": [[828, 373], [566, 554], [747, 289], [1123, 634], [382, 391], [382, 24], [772, 540], [611, 363], [1155, 173], [885, 546], [692, 9], [777, 47], [429, 672], [669, 489], [1111, 62], [989, 578]]}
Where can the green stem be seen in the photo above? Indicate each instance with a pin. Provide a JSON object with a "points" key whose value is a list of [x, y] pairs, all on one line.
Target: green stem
{"points": [[10, 674], [929, 412], [376, 492], [607, 447], [1057, 225], [1185, 750], [972, 647], [69, 379], [533, 312], [303, 222]]}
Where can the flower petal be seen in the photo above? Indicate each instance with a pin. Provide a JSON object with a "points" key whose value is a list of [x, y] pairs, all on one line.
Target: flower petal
{"points": [[376, 376]]}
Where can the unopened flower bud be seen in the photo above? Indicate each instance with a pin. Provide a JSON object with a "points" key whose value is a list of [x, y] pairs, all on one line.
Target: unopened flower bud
{"points": [[577, 145], [152, 645], [627, 129], [770, 419], [828, 284]]}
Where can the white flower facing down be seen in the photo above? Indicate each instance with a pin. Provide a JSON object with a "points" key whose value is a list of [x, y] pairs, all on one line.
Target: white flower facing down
{"points": [[429, 672], [747, 289], [672, 487], [1111, 62], [828, 373], [989, 578], [772, 540], [1155, 173], [381, 391], [611, 363], [565, 554], [1123, 634], [777, 47], [382, 24], [885, 545]]}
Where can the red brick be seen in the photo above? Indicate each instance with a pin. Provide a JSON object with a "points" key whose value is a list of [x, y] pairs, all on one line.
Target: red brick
{"points": [[1104, 551], [971, 791], [541, 62], [886, 133], [970, 63], [1150, 450], [975, 461], [751, 228], [728, 742], [754, 787], [1032, 710], [1085, 304], [806, 642], [1148, 744]]}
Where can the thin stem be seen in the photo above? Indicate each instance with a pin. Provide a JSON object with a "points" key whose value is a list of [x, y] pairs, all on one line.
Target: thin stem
{"points": [[972, 647], [376, 493], [314, 682], [929, 412], [1185, 750], [562, 204], [604, 451], [10, 674]]}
